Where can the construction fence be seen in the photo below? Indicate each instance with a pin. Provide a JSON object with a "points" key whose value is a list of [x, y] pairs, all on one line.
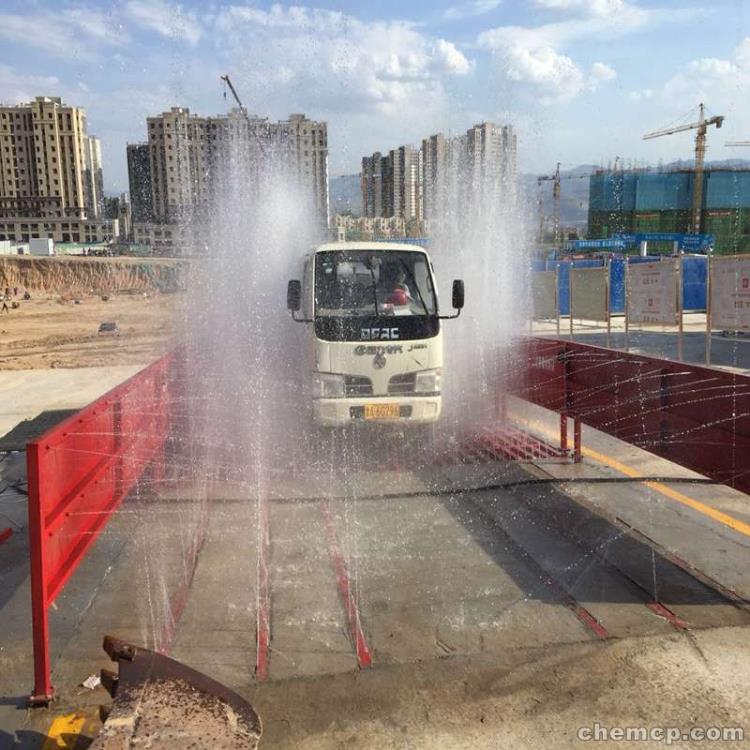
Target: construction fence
{"points": [[644, 292]]}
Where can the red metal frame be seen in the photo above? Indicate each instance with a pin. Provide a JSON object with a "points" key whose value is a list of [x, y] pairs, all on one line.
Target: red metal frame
{"points": [[698, 417], [78, 473], [346, 589]]}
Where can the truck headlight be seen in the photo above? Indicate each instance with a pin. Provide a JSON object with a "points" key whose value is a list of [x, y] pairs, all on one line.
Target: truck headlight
{"points": [[428, 381], [327, 385]]}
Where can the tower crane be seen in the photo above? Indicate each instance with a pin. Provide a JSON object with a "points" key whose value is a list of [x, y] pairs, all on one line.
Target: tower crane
{"points": [[556, 179], [226, 80], [700, 157]]}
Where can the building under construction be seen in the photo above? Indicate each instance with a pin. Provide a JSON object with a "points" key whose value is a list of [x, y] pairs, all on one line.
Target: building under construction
{"points": [[661, 201]]}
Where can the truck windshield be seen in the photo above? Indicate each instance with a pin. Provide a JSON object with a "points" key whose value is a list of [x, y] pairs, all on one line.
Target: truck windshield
{"points": [[373, 283]]}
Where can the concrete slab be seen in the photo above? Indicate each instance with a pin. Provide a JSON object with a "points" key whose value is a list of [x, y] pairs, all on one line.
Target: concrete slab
{"points": [[308, 623], [677, 517], [26, 393]]}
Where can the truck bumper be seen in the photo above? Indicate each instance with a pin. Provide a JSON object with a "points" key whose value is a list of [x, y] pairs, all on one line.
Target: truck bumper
{"points": [[338, 412]]}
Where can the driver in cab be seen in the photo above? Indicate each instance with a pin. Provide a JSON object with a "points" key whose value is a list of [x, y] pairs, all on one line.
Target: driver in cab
{"points": [[393, 290]]}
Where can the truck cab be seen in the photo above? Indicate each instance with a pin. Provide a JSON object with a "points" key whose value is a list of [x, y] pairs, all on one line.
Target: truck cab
{"points": [[376, 346]]}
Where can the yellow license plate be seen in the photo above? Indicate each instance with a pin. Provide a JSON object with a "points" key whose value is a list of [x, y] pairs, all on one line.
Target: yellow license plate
{"points": [[382, 411]]}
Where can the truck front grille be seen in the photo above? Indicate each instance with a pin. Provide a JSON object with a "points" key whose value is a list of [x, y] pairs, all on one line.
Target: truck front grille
{"points": [[355, 385], [400, 385]]}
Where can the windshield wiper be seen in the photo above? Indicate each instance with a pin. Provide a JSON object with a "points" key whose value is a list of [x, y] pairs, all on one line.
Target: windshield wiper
{"points": [[413, 281]]}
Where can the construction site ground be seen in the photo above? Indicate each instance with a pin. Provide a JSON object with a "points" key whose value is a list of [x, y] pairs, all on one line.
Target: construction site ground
{"points": [[503, 604], [61, 330]]}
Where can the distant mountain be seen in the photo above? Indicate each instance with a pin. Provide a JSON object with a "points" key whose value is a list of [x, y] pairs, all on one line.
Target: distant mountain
{"points": [[716, 164], [345, 194]]}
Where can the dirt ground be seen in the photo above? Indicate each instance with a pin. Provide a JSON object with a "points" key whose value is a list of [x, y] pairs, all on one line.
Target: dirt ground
{"points": [[61, 330]]}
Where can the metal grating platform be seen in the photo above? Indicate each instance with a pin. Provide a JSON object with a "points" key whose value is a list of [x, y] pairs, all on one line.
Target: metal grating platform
{"points": [[503, 443]]}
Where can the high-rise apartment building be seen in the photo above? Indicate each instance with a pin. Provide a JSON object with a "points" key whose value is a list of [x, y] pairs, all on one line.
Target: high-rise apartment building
{"points": [[187, 152], [43, 161], [444, 162], [50, 174], [93, 178], [392, 184], [371, 180], [405, 189], [139, 180], [445, 177], [179, 163], [308, 159], [490, 166]]}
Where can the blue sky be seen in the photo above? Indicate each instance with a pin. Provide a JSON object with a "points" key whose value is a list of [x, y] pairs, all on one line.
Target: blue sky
{"points": [[580, 79]]}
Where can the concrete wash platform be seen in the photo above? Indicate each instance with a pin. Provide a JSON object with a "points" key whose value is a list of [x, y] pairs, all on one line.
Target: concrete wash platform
{"points": [[501, 617], [26, 393]]}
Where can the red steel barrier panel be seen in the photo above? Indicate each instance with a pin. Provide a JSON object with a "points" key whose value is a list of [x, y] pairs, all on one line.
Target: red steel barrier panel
{"points": [[78, 473], [698, 417]]}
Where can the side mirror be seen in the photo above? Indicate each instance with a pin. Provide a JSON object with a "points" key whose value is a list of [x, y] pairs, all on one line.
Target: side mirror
{"points": [[458, 294], [294, 295]]}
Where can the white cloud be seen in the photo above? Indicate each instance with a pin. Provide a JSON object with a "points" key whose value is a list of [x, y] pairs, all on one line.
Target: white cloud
{"points": [[470, 9], [593, 25], [742, 53], [19, 87], [713, 79], [100, 26], [166, 19], [538, 55], [557, 76], [337, 62], [600, 73], [639, 96], [449, 59], [591, 7], [69, 34], [553, 75], [722, 83]]}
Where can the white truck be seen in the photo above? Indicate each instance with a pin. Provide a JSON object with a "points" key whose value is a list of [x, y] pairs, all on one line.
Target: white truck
{"points": [[376, 348]]}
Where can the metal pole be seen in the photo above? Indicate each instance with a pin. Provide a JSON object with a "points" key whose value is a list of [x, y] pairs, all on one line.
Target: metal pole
{"points": [[678, 275], [570, 298], [709, 271], [608, 270], [577, 453], [627, 304], [564, 433], [43, 690]]}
